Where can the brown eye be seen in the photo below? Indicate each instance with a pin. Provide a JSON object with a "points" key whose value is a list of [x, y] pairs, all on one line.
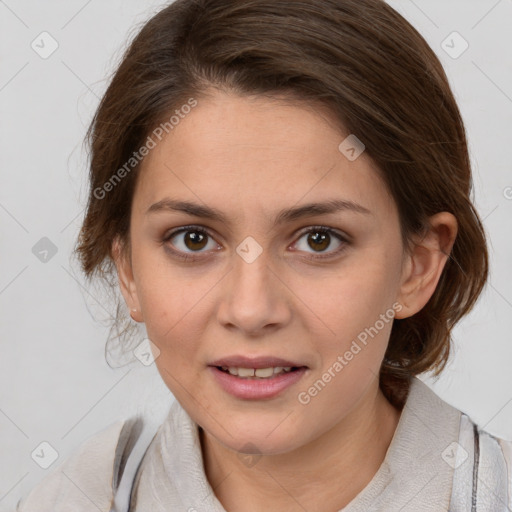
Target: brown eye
{"points": [[194, 240], [319, 239], [190, 239]]}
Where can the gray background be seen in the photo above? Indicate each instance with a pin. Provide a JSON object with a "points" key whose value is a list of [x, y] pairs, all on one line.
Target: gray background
{"points": [[55, 385]]}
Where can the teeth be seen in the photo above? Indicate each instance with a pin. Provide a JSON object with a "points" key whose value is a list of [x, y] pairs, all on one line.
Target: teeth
{"points": [[246, 372], [264, 372], [261, 373]]}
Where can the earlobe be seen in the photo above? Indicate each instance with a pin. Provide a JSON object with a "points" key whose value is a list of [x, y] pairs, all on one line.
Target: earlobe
{"points": [[425, 263], [126, 280]]}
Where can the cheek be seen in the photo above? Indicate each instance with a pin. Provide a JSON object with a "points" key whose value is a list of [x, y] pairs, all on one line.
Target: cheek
{"points": [[176, 309], [356, 319], [172, 318], [357, 296], [165, 291]]}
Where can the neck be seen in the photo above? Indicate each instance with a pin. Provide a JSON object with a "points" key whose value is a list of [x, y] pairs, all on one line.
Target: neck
{"points": [[335, 467]]}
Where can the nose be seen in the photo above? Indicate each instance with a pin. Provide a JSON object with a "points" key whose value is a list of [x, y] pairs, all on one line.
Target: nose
{"points": [[254, 299]]}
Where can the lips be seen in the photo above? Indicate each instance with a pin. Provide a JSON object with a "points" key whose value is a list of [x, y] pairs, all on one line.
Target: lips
{"points": [[254, 388], [255, 362]]}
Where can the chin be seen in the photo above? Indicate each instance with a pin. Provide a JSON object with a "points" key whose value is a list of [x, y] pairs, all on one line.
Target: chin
{"points": [[264, 437]]}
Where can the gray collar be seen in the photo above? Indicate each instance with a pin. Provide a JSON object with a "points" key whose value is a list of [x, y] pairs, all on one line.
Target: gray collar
{"points": [[416, 473]]}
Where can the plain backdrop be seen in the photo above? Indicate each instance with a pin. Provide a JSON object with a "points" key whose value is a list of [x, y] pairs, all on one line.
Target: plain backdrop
{"points": [[55, 386]]}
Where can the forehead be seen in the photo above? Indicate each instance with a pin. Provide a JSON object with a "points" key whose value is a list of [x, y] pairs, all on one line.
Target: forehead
{"points": [[235, 152]]}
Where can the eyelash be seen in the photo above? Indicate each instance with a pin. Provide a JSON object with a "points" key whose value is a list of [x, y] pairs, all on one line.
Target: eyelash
{"points": [[199, 229]]}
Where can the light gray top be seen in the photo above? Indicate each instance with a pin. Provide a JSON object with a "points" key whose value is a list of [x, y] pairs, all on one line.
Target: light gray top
{"points": [[429, 466]]}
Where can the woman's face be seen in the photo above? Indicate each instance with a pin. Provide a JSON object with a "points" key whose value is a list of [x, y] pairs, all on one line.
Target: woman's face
{"points": [[265, 281]]}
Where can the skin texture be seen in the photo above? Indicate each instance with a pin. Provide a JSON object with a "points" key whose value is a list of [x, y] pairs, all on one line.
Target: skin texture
{"points": [[251, 157]]}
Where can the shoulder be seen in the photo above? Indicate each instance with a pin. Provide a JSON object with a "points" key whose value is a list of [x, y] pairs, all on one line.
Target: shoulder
{"points": [[87, 477], [490, 468], [496, 465], [506, 447], [477, 464]]}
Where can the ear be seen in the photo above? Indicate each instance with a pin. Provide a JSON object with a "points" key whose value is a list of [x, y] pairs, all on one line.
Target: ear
{"points": [[126, 280], [425, 262]]}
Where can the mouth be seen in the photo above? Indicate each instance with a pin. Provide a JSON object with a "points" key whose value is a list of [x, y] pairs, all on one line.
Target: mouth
{"points": [[263, 367], [258, 373], [256, 378]]}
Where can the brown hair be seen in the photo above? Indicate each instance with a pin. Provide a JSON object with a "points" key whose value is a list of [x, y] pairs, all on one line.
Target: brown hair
{"points": [[361, 60]]}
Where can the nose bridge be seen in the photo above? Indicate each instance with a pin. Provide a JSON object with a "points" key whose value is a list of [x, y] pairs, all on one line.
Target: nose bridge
{"points": [[255, 297], [251, 268]]}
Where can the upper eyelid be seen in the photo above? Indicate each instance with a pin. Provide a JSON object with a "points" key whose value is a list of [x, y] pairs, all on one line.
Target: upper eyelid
{"points": [[191, 227], [319, 227]]}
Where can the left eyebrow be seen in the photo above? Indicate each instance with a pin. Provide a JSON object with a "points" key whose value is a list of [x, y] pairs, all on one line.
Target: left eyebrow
{"points": [[312, 209], [287, 215]]}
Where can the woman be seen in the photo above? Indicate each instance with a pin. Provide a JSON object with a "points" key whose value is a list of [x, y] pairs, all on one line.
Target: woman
{"points": [[283, 192]]}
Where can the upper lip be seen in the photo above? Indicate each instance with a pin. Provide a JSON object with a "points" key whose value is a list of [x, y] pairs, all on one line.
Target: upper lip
{"points": [[254, 362]]}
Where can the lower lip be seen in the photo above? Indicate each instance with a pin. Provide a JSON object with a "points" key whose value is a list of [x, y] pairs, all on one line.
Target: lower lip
{"points": [[256, 389]]}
